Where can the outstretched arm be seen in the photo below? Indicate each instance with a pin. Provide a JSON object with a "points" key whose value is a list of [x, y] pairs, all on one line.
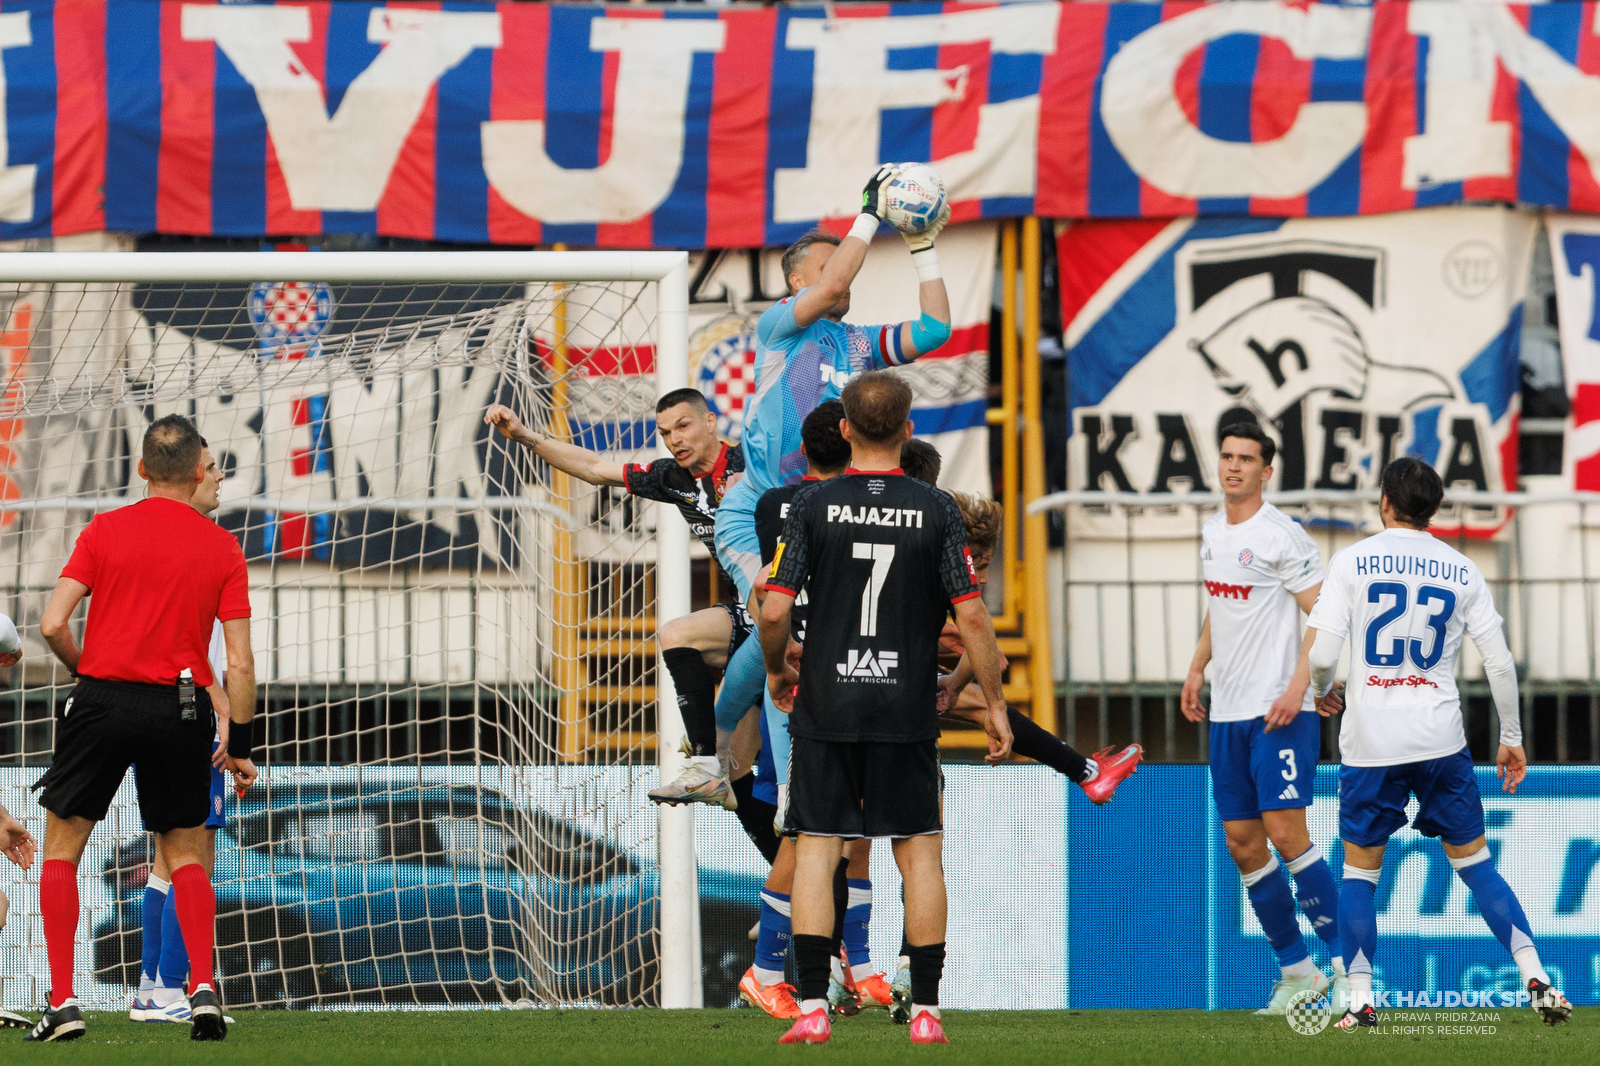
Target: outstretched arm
{"points": [[581, 463], [933, 328]]}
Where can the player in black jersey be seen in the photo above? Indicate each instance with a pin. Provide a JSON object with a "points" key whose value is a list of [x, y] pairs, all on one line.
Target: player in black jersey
{"points": [[701, 469], [883, 559]]}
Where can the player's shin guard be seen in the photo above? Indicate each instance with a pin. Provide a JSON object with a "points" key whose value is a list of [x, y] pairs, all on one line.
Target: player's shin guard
{"points": [[197, 915], [1358, 928], [697, 694], [927, 968], [1032, 741], [742, 684], [857, 917], [174, 966], [772, 939], [58, 911], [1318, 894], [1273, 902], [156, 893], [1502, 912], [811, 955]]}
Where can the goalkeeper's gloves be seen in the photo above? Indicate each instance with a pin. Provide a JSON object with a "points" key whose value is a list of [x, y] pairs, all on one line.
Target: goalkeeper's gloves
{"points": [[923, 242], [872, 195]]}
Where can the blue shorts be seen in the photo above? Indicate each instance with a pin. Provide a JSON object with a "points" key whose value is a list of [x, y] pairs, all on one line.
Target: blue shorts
{"points": [[738, 546], [1254, 771], [216, 816], [1372, 800]]}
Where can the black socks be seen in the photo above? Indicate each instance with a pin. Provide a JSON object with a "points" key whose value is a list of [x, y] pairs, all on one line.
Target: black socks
{"points": [[697, 697], [811, 961], [1031, 741], [927, 967]]}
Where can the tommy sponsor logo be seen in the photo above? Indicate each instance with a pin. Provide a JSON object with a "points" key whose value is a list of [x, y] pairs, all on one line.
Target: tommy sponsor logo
{"points": [[868, 664], [1227, 591], [835, 377], [1412, 681], [900, 517]]}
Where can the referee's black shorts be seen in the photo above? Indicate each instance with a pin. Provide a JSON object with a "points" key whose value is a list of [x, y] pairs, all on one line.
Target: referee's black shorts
{"points": [[104, 727], [864, 789]]}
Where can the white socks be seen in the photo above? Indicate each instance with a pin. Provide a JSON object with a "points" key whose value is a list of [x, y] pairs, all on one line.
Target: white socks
{"points": [[1094, 772], [1338, 966], [1360, 990], [1527, 960], [165, 997], [918, 1008], [862, 971], [709, 763], [767, 978], [809, 1005]]}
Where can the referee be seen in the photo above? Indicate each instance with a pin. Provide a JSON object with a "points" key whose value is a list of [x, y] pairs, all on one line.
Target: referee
{"points": [[883, 560], [157, 572]]}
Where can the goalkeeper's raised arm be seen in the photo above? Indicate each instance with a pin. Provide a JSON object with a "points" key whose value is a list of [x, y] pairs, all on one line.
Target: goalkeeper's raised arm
{"points": [[581, 463]]}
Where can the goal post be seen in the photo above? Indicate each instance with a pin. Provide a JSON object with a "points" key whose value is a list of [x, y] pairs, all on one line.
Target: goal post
{"points": [[464, 703]]}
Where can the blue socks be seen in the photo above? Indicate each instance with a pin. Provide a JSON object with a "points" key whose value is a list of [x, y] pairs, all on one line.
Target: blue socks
{"points": [[772, 939], [857, 915], [156, 894], [743, 682], [1273, 903], [174, 963], [1358, 920], [1501, 910], [1318, 894]]}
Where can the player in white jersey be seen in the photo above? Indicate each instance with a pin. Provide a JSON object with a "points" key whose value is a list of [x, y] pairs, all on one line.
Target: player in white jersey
{"points": [[1261, 569], [1405, 599]]}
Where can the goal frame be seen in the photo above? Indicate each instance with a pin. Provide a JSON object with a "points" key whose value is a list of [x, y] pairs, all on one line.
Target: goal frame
{"points": [[678, 913]]}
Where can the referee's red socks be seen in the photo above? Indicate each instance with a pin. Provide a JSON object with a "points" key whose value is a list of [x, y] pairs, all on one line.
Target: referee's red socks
{"points": [[58, 906], [196, 904]]}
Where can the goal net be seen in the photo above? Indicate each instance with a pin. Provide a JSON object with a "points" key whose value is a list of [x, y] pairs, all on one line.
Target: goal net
{"points": [[454, 642]]}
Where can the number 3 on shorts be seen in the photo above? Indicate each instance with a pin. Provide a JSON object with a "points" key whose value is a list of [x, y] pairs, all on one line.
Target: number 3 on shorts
{"points": [[1287, 754]]}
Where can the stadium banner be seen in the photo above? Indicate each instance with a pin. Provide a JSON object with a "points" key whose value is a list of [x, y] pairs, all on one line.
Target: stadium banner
{"points": [[1028, 860], [1575, 257], [1352, 340], [617, 126]]}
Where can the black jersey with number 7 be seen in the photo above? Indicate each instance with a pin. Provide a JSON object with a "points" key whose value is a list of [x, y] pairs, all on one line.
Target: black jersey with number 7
{"points": [[885, 556]]}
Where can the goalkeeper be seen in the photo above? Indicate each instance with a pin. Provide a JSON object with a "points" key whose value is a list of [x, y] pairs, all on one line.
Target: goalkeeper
{"points": [[694, 479], [805, 355]]}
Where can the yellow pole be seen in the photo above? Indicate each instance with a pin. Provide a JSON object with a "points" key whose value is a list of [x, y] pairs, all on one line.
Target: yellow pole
{"points": [[1006, 417], [1035, 542], [569, 661]]}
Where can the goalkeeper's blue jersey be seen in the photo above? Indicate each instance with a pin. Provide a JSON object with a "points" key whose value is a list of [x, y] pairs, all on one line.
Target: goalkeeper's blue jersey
{"points": [[797, 369]]}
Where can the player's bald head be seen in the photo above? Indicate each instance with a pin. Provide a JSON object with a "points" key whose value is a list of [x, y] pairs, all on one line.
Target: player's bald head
{"points": [[877, 405]]}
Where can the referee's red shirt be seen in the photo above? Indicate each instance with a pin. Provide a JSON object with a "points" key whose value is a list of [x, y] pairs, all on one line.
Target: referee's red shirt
{"points": [[158, 572]]}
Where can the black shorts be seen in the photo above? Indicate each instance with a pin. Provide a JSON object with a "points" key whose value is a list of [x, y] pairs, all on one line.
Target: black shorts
{"points": [[743, 625], [864, 789], [104, 727]]}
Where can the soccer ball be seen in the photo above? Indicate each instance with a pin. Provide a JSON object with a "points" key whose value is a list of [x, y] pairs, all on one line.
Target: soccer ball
{"points": [[913, 198]]}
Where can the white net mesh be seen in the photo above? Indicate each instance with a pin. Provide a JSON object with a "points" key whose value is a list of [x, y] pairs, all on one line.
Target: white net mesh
{"points": [[454, 642]]}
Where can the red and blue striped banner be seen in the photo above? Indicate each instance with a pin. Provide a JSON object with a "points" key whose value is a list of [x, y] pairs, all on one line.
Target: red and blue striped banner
{"points": [[618, 126]]}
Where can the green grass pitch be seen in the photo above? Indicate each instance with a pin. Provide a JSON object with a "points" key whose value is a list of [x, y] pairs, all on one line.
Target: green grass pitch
{"points": [[714, 1037]]}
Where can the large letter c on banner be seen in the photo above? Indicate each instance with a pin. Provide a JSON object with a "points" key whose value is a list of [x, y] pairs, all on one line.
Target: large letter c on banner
{"points": [[1148, 125]]}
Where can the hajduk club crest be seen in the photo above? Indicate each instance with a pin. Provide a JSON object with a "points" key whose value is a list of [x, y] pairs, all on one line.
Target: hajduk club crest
{"points": [[290, 316], [723, 356]]}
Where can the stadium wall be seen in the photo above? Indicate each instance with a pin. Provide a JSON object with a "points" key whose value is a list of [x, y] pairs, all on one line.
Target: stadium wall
{"points": [[1057, 904]]}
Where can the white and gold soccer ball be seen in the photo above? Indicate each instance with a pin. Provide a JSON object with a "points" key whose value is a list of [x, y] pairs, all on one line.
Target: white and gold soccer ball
{"points": [[913, 198]]}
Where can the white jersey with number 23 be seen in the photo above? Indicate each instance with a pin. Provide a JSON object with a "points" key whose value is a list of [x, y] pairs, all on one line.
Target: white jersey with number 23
{"points": [[1403, 599]]}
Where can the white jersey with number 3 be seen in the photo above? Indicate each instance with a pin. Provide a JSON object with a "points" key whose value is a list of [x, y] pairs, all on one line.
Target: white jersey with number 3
{"points": [[1252, 572], [1403, 599]]}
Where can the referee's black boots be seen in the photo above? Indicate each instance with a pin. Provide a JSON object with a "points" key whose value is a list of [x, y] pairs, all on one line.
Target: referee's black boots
{"points": [[59, 1023]]}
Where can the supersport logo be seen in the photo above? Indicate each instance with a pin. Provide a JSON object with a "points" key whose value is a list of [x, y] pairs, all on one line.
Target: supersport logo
{"points": [[1400, 682]]}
